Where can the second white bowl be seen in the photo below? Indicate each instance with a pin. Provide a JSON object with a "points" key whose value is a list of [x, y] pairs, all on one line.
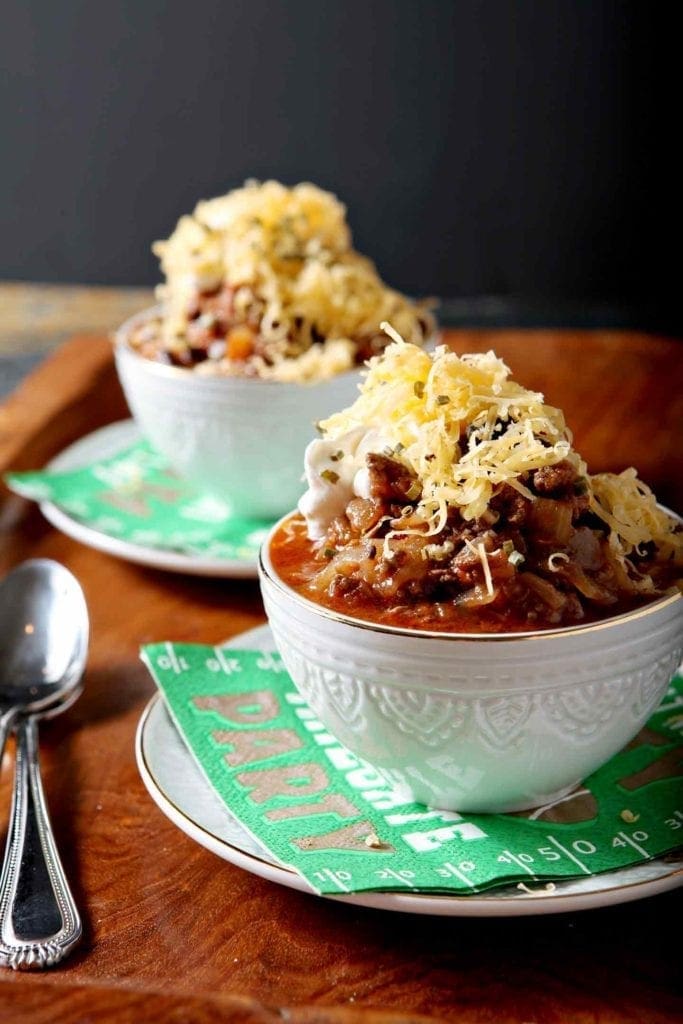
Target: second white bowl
{"points": [[240, 440]]}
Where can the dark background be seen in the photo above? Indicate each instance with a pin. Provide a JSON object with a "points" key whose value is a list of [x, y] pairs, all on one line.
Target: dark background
{"points": [[514, 157]]}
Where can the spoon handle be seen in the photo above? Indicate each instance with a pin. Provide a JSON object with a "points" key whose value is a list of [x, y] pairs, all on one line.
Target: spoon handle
{"points": [[39, 922], [6, 725]]}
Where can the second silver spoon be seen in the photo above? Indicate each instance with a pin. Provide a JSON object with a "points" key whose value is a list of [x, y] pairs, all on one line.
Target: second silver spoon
{"points": [[43, 647]]}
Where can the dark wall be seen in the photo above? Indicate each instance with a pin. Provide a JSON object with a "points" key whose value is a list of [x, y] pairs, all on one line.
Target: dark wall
{"points": [[483, 148]]}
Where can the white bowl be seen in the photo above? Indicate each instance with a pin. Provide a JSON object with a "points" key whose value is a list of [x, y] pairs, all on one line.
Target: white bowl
{"points": [[472, 722], [241, 440]]}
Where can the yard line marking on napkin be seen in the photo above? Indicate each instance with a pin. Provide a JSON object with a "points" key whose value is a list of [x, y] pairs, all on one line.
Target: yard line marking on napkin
{"points": [[520, 863], [172, 657], [461, 875], [227, 665], [568, 853], [333, 878], [399, 877], [634, 844]]}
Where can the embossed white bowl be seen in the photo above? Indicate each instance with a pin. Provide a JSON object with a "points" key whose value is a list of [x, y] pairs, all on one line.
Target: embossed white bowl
{"points": [[242, 440], [471, 722]]}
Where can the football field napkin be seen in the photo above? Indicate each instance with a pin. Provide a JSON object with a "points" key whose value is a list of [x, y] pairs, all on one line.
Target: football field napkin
{"points": [[321, 811], [136, 497]]}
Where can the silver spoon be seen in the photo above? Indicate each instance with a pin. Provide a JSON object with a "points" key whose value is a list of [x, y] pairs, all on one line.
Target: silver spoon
{"points": [[43, 648]]}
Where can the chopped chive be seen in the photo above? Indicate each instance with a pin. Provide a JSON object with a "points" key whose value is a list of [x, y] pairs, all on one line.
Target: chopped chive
{"points": [[419, 388], [442, 399], [329, 552], [337, 456], [330, 476]]}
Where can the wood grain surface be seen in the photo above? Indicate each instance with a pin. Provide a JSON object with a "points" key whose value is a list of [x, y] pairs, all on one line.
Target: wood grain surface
{"points": [[37, 317], [172, 933]]}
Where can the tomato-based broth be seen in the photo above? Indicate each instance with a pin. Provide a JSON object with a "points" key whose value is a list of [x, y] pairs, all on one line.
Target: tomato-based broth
{"points": [[303, 565]]}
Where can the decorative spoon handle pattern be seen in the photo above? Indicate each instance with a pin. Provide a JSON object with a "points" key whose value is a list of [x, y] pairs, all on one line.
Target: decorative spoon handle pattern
{"points": [[39, 921]]}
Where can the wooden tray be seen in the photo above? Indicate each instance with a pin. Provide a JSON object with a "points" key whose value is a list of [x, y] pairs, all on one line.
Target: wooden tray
{"points": [[171, 932]]}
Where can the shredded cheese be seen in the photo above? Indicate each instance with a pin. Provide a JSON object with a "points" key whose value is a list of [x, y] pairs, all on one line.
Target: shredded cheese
{"points": [[481, 551], [491, 431], [630, 509], [287, 254]]}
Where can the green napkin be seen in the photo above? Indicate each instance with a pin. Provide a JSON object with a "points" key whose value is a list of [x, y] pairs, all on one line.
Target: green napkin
{"points": [[320, 810], [136, 497]]}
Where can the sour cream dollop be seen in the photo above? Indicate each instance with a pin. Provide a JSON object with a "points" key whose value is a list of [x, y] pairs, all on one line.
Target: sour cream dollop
{"points": [[336, 471]]}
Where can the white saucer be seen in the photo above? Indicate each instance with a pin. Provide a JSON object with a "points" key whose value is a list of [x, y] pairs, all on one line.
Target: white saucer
{"points": [[178, 787], [103, 444]]}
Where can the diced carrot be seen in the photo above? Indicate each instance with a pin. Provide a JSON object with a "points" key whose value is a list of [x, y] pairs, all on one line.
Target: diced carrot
{"points": [[239, 343]]}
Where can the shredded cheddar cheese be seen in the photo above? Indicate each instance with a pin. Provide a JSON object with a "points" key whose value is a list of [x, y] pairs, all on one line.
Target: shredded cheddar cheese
{"points": [[287, 254], [489, 432], [630, 509], [483, 557], [465, 429]]}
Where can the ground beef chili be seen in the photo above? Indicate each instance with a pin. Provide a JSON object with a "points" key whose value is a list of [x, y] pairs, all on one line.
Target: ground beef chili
{"points": [[546, 561], [216, 331]]}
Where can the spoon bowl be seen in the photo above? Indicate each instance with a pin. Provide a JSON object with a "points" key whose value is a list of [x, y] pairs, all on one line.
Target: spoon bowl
{"points": [[43, 636]]}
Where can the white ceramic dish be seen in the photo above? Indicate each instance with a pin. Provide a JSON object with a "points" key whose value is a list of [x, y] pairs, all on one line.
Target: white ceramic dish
{"points": [[179, 789], [472, 722], [103, 444], [242, 440]]}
